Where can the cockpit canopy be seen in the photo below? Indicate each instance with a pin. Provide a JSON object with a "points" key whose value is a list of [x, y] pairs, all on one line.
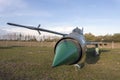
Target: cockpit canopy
{"points": [[77, 30]]}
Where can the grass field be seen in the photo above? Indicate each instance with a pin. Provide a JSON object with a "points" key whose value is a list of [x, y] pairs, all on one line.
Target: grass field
{"points": [[34, 63]]}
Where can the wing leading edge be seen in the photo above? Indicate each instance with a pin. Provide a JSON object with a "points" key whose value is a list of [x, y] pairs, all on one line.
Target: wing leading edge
{"points": [[38, 29]]}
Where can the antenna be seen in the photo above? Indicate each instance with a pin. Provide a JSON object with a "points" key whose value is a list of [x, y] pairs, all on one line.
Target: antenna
{"points": [[82, 30]]}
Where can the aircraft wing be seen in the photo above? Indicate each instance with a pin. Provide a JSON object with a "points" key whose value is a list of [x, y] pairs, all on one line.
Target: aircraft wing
{"points": [[96, 43], [92, 43], [38, 29]]}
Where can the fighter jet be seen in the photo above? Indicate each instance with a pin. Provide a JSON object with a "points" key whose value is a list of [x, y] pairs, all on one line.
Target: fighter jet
{"points": [[70, 49]]}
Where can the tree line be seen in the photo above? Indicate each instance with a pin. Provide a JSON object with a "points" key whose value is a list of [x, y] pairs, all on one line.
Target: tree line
{"points": [[23, 37], [89, 37], [106, 38]]}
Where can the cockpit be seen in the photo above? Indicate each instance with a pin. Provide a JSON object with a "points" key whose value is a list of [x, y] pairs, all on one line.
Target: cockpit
{"points": [[77, 30]]}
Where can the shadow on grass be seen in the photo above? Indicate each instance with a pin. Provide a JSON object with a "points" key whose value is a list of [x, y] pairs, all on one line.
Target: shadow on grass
{"points": [[91, 58], [9, 47], [104, 50]]}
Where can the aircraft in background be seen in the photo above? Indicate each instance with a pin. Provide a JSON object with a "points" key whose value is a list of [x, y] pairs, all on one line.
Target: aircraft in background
{"points": [[70, 49]]}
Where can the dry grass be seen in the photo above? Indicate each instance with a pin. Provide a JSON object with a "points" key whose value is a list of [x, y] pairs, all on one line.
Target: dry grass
{"points": [[46, 44], [26, 43], [34, 63]]}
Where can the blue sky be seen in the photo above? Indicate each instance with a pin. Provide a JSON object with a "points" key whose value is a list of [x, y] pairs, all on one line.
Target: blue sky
{"points": [[99, 17]]}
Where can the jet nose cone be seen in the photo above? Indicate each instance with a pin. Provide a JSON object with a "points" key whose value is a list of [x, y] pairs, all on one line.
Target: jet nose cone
{"points": [[66, 53]]}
